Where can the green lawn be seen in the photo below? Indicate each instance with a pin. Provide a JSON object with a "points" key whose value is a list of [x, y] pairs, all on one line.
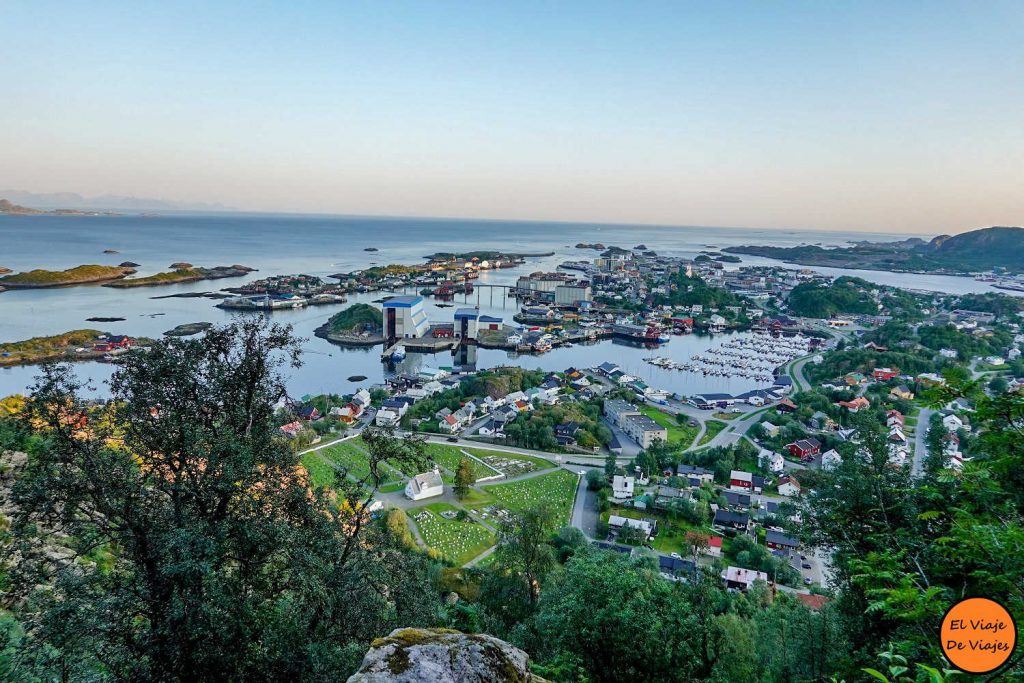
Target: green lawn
{"points": [[677, 433], [512, 464], [449, 457], [557, 488], [353, 456], [671, 536], [458, 542], [348, 455], [321, 473], [711, 430]]}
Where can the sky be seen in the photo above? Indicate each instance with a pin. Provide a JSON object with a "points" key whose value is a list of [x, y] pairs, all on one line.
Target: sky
{"points": [[877, 116]]}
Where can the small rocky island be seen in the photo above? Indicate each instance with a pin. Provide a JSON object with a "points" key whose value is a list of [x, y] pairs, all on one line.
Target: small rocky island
{"points": [[357, 325], [80, 275], [183, 272], [188, 329]]}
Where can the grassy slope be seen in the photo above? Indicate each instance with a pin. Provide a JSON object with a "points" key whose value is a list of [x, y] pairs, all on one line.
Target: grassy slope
{"points": [[52, 278], [166, 278], [677, 433], [557, 488]]}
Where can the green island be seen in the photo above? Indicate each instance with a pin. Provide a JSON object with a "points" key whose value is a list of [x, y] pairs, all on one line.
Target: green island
{"points": [[357, 324], [193, 274], [355, 318], [79, 275]]}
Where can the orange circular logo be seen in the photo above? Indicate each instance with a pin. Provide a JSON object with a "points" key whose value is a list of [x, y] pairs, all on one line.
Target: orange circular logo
{"points": [[978, 635]]}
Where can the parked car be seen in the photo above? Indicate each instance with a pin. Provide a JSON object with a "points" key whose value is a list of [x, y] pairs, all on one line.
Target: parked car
{"points": [[453, 439], [676, 556], [806, 565], [807, 581]]}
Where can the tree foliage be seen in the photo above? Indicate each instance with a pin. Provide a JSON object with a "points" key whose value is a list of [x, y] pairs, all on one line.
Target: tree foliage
{"points": [[175, 535]]}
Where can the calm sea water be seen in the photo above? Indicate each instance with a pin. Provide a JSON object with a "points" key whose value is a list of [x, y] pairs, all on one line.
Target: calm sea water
{"points": [[323, 245]]}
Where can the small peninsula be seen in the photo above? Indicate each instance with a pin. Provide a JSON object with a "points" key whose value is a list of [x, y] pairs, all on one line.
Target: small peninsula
{"points": [[76, 345], [969, 252], [80, 275], [188, 274]]}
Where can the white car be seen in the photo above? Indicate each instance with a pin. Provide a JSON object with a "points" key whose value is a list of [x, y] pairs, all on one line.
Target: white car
{"points": [[675, 556]]}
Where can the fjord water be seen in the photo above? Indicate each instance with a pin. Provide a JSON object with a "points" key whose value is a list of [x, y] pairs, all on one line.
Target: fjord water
{"points": [[324, 245]]}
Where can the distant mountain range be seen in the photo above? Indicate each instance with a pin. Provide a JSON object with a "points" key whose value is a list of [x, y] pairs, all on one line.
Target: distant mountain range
{"points": [[973, 251], [72, 200]]}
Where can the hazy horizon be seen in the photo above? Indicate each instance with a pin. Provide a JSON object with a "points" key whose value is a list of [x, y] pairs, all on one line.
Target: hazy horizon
{"points": [[797, 116]]}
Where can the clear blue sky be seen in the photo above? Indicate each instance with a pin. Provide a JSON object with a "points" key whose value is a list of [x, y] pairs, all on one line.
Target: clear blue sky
{"points": [[903, 116]]}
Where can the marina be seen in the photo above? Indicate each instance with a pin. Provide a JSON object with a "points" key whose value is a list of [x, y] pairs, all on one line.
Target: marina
{"points": [[754, 356]]}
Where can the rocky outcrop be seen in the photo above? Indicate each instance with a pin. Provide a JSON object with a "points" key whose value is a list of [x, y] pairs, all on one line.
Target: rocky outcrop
{"points": [[428, 655]]}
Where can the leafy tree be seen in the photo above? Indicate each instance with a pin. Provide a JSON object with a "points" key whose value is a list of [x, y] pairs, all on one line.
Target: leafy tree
{"points": [[173, 535], [464, 478], [596, 480], [599, 596], [524, 549]]}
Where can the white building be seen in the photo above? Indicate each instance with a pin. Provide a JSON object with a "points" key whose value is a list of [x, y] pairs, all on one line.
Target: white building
{"points": [[622, 487], [788, 486], [405, 318], [616, 522], [830, 460], [573, 293], [426, 485], [770, 460], [952, 423]]}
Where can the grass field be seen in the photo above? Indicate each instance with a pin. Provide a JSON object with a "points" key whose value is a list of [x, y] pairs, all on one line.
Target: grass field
{"points": [[557, 488], [353, 456], [682, 434], [711, 430], [449, 458], [348, 455], [458, 542], [320, 471]]}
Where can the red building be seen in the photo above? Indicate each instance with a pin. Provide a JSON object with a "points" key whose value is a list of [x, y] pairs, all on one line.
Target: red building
{"points": [[885, 374], [804, 449]]}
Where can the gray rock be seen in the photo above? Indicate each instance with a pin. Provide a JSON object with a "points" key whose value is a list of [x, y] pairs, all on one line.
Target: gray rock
{"points": [[429, 655]]}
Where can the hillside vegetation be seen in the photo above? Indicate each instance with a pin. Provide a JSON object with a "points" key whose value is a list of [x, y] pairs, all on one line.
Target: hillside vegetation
{"points": [[824, 300], [976, 250], [38, 349], [356, 317], [72, 276]]}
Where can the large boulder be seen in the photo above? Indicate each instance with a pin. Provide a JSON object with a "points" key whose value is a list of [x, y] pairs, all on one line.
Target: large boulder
{"points": [[437, 655]]}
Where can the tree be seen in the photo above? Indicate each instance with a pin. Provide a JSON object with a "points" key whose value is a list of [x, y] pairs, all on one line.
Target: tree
{"points": [[596, 480], [600, 595], [464, 478], [610, 465], [524, 549], [175, 536]]}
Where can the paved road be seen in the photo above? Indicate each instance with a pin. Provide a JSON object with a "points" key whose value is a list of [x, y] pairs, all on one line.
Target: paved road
{"points": [[921, 441]]}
